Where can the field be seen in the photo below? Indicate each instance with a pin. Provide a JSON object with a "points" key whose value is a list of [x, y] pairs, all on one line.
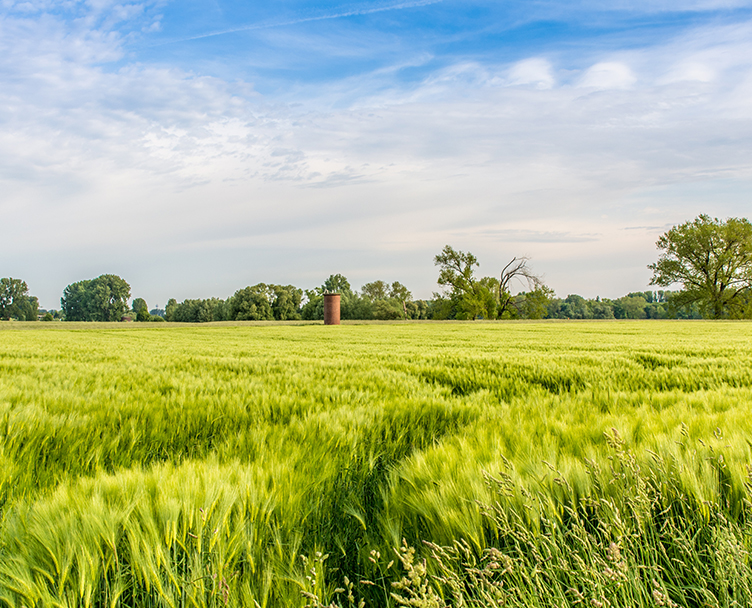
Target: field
{"points": [[428, 464]]}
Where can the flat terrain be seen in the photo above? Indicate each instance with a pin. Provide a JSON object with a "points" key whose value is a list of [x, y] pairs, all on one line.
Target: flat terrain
{"points": [[557, 463]]}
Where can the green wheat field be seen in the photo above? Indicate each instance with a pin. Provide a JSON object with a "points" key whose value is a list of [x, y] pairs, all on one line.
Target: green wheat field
{"points": [[541, 464]]}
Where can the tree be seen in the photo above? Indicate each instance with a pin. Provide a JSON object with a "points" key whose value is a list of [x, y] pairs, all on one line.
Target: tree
{"points": [[401, 294], [110, 296], [337, 283], [170, 308], [314, 306], [482, 303], [601, 309], [143, 315], [469, 298], [418, 309], [488, 298], [575, 307], [194, 311], [387, 309], [102, 299], [534, 304], [631, 306], [456, 270], [712, 260], [378, 290], [286, 304], [516, 270], [141, 309], [75, 301], [15, 301], [382, 301], [252, 304], [138, 304], [28, 309], [11, 292]]}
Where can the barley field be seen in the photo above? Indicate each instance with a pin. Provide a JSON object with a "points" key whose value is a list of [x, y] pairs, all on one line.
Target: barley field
{"points": [[546, 464]]}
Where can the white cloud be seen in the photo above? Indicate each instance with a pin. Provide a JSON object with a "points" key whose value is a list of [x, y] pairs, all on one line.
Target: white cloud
{"points": [[535, 71], [151, 170], [608, 75], [691, 69]]}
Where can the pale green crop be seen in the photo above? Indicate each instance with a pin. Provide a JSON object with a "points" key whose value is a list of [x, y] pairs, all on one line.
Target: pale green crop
{"points": [[547, 464]]}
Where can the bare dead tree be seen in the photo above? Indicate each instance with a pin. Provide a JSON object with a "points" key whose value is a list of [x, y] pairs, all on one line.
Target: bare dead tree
{"points": [[516, 269]]}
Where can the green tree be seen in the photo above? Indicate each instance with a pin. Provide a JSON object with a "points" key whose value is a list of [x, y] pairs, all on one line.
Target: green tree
{"points": [[712, 259], [456, 276], [337, 283], [109, 298], [418, 309], [102, 299], [313, 309], [575, 307], [213, 309], [534, 304], [378, 290], [15, 301], [356, 307], [399, 292], [252, 304], [382, 301], [483, 299], [138, 304], [11, 292], [141, 309], [143, 315], [170, 308], [601, 309], [29, 309], [286, 303], [466, 297], [402, 295], [195, 311], [387, 309], [456, 271], [630, 307], [76, 301]]}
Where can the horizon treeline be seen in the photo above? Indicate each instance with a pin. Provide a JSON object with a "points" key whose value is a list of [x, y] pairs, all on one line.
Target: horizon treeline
{"points": [[106, 299], [264, 302], [710, 258]]}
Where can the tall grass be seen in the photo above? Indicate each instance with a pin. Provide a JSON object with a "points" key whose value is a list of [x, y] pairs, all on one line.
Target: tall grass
{"points": [[194, 466]]}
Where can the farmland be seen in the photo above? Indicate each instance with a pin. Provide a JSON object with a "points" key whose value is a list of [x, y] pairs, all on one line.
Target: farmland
{"points": [[515, 464]]}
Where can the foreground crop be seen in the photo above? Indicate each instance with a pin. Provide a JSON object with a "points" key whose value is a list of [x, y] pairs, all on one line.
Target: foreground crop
{"points": [[522, 464]]}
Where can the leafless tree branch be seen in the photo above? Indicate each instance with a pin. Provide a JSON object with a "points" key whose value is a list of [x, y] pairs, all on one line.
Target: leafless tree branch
{"points": [[516, 269]]}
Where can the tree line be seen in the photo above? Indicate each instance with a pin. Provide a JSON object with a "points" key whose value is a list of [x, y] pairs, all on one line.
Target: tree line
{"points": [[711, 259]]}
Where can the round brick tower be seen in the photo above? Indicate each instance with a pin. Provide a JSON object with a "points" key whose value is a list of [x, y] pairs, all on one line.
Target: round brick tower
{"points": [[331, 309]]}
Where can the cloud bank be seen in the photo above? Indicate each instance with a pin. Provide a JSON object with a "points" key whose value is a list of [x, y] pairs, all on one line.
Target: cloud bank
{"points": [[192, 185]]}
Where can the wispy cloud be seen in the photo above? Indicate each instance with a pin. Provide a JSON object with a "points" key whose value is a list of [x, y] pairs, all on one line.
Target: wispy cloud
{"points": [[537, 236], [133, 168], [354, 12]]}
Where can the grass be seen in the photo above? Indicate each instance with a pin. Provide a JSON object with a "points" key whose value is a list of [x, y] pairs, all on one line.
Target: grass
{"points": [[536, 464]]}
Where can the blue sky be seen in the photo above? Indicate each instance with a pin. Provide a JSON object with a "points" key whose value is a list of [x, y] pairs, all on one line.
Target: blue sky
{"points": [[197, 147]]}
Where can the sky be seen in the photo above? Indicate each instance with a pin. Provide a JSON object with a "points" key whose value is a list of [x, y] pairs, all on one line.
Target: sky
{"points": [[197, 147]]}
